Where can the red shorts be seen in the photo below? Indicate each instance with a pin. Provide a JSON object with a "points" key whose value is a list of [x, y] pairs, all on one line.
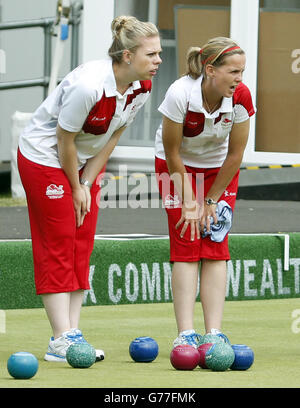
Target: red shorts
{"points": [[61, 251], [183, 249]]}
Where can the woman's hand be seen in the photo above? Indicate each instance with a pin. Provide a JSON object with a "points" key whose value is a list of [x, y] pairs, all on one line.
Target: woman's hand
{"points": [[82, 203], [190, 215], [208, 212]]}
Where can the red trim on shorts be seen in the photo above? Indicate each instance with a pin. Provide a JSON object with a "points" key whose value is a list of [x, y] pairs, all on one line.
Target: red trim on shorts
{"points": [[183, 249]]}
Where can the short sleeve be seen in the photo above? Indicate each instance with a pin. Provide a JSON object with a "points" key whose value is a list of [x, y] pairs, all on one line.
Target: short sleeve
{"points": [[77, 101], [243, 105], [143, 94], [141, 103], [174, 105]]}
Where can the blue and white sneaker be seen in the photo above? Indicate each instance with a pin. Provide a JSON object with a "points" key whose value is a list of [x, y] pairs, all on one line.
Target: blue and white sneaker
{"points": [[57, 349], [222, 336], [189, 337]]}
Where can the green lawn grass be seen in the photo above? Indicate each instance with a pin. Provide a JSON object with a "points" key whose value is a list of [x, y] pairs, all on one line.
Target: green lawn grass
{"points": [[264, 325], [7, 201]]}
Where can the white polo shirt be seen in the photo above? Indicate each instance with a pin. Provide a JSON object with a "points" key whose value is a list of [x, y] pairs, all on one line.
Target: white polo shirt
{"points": [[205, 136], [86, 101]]}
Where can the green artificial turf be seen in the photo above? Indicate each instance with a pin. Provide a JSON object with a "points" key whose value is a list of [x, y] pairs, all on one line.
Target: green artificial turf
{"points": [[138, 271], [267, 326]]}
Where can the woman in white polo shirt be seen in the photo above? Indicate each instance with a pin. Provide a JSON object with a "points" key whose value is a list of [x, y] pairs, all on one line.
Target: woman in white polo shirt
{"points": [[204, 132], [61, 153]]}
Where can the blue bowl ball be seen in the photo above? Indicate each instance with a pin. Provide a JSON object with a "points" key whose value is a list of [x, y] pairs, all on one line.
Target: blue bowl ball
{"points": [[22, 365], [244, 357], [143, 349]]}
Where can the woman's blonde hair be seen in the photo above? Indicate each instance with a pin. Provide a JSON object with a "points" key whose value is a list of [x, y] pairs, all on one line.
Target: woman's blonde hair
{"points": [[127, 32], [214, 52]]}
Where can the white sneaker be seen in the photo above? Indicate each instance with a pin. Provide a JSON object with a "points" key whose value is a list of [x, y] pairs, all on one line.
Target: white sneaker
{"points": [[188, 337], [222, 336], [57, 348]]}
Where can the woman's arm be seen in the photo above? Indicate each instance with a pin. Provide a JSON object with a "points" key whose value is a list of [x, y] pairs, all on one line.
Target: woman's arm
{"points": [[67, 154], [95, 164], [172, 139], [237, 143]]}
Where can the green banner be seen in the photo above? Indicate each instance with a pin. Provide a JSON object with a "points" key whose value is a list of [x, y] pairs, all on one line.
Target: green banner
{"points": [[138, 271]]}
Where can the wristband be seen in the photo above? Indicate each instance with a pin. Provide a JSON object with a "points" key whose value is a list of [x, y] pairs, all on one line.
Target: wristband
{"points": [[210, 201], [85, 182]]}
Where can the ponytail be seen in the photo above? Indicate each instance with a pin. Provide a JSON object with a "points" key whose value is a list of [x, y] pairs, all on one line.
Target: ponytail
{"points": [[193, 62], [127, 32], [214, 52]]}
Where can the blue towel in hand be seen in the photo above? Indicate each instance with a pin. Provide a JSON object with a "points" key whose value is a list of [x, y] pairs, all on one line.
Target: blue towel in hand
{"points": [[219, 231]]}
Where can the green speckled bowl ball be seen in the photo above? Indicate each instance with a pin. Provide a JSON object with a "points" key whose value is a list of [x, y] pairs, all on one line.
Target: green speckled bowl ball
{"points": [[219, 357], [81, 355]]}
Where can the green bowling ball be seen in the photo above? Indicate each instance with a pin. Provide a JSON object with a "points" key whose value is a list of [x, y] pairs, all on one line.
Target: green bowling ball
{"points": [[81, 355], [219, 357]]}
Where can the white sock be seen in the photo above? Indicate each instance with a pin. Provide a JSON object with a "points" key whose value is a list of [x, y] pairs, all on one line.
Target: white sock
{"points": [[214, 331], [187, 332]]}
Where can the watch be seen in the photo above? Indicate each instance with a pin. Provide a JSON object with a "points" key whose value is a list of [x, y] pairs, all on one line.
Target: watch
{"points": [[210, 201], [85, 182]]}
